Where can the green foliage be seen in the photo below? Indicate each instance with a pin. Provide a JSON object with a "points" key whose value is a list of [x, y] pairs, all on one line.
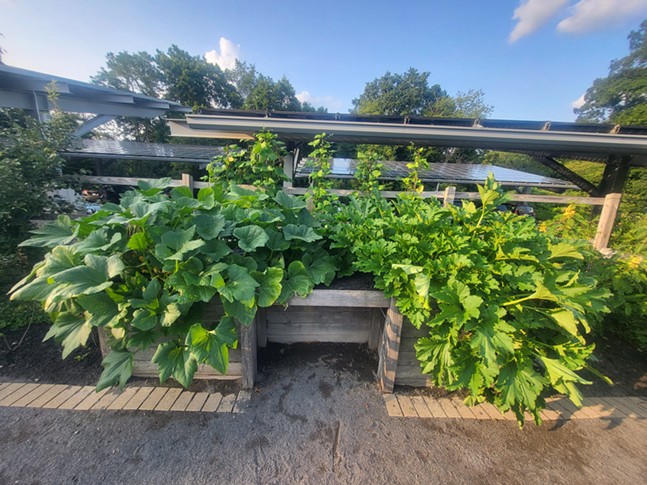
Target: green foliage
{"points": [[506, 306], [321, 158], [412, 182], [260, 165], [368, 170], [620, 97], [143, 270]]}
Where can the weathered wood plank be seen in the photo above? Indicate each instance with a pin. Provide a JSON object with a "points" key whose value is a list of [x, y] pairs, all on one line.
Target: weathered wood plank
{"points": [[138, 399], [49, 395], [234, 371], [375, 328], [168, 400], [261, 327], [342, 298], [607, 220], [227, 403], [61, 397], [125, 396], [77, 397], [153, 398], [33, 395], [182, 401], [212, 402], [248, 345], [197, 402], [320, 315], [390, 348]]}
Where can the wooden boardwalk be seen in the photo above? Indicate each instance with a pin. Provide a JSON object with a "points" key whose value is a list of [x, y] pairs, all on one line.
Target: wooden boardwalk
{"points": [[401, 405], [84, 398]]}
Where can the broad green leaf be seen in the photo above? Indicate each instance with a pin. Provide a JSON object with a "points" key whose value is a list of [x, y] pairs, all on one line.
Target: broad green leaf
{"points": [[250, 237], [240, 286], [152, 187], [176, 239], [209, 226], [226, 330], [566, 320], [269, 288], [36, 290], [82, 280], [117, 369], [152, 290], [289, 201], [276, 241], [60, 232], [144, 319], [71, 330], [99, 241], [174, 360], [320, 267], [558, 373], [243, 313], [138, 242], [102, 309], [564, 250], [297, 282], [208, 348], [300, 232]]}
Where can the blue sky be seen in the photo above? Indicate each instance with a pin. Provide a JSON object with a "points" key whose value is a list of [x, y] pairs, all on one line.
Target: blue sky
{"points": [[532, 58]]}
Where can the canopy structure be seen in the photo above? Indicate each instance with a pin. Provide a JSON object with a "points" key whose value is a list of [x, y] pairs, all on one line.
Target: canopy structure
{"points": [[619, 147], [28, 90], [132, 150], [448, 173]]}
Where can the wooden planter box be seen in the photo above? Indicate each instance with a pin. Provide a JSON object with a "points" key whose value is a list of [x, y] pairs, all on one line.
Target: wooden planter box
{"points": [[344, 316]]}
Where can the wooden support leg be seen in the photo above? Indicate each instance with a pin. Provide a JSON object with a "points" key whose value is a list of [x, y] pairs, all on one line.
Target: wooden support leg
{"points": [[375, 328], [261, 327], [390, 348], [248, 353]]}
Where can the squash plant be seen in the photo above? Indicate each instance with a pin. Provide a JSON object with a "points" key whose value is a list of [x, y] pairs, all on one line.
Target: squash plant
{"points": [[506, 306], [142, 270]]}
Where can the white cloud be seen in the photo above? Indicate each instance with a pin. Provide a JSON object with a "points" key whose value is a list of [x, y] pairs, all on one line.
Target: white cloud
{"points": [[578, 103], [331, 103], [226, 59], [590, 15], [532, 14]]}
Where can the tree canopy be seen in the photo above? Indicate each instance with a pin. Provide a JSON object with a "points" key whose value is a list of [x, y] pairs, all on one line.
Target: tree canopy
{"points": [[621, 97], [411, 94]]}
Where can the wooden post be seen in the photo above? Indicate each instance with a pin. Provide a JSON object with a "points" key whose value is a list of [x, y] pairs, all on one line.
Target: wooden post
{"points": [[288, 168], [375, 328], [607, 219], [390, 348], [450, 194], [187, 179], [261, 327], [248, 353]]}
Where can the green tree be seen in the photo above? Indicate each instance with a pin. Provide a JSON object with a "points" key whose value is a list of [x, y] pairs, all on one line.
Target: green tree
{"points": [[403, 94], [194, 82], [621, 97]]}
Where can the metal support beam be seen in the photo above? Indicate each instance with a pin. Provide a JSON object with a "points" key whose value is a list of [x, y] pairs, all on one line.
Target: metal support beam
{"points": [[92, 123], [571, 176], [615, 175]]}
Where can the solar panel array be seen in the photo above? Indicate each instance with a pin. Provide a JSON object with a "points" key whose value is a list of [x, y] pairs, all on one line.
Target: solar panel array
{"points": [[133, 150]]}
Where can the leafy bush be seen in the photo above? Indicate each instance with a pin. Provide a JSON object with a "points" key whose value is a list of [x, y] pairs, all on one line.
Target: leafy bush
{"points": [[506, 305], [142, 270]]}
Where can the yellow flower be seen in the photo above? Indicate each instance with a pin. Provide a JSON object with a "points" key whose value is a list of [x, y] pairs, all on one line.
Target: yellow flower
{"points": [[543, 227], [569, 212], [635, 261]]}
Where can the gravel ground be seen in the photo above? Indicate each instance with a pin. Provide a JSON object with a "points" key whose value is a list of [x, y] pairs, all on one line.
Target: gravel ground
{"points": [[315, 417]]}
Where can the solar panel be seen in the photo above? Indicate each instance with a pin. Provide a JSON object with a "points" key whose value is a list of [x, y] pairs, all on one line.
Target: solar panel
{"points": [[133, 150]]}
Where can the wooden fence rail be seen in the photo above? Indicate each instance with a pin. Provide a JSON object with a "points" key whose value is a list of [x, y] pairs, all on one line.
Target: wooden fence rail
{"points": [[609, 204]]}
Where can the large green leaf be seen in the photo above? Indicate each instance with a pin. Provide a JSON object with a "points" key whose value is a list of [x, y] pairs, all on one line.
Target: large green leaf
{"points": [[300, 232], [177, 361], [144, 319], [139, 242], [297, 282], [289, 201], [71, 330], [243, 313], [152, 187], [117, 369], [62, 231], [101, 308], [209, 226], [208, 348], [250, 237], [240, 286], [321, 267], [269, 288]]}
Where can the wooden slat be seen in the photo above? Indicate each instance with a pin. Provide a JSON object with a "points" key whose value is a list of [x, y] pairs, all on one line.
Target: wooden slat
{"points": [[78, 397], [248, 345], [53, 392], [168, 400], [434, 407], [320, 316], [9, 390], [408, 409], [106, 400], [153, 398], [390, 348], [197, 402], [261, 327], [138, 399], [342, 298], [18, 393], [375, 328], [90, 400], [182, 401], [227, 403], [148, 369], [33, 395], [392, 405], [421, 408], [62, 397], [212, 403], [123, 398], [607, 220]]}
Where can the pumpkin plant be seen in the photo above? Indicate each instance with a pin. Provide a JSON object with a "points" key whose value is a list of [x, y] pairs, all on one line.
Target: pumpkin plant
{"points": [[143, 270], [505, 306]]}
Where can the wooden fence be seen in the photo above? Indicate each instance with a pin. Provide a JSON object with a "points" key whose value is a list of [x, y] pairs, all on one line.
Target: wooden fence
{"points": [[609, 204]]}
